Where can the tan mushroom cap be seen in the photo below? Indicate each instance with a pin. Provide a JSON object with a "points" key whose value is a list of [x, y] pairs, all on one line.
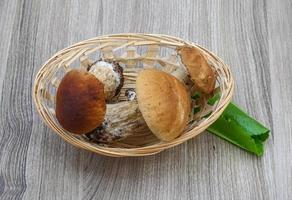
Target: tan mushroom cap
{"points": [[164, 103], [80, 102], [199, 70]]}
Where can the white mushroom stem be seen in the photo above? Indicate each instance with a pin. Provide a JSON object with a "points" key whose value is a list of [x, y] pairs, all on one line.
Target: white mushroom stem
{"points": [[122, 119]]}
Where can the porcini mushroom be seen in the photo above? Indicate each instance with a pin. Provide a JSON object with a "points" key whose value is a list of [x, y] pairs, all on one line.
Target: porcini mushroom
{"points": [[164, 103], [80, 102], [111, 75], [198, 68], [163, 108]]}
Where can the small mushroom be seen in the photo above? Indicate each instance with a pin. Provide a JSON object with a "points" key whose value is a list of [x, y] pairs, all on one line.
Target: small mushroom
{"points": [[199, 70], [80, 102], [164, 103], [111, 75]]}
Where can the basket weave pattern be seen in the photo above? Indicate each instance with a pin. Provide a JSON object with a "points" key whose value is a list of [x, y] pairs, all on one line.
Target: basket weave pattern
{"points": [[134, 52]]}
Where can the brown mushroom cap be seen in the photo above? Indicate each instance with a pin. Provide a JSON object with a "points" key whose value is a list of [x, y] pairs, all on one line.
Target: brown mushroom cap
{"points": [[200, 71], [164, 103], [80, 102]]}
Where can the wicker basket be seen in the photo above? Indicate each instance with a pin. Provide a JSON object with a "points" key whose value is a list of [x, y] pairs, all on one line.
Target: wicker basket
{"points": [[133, 52]]}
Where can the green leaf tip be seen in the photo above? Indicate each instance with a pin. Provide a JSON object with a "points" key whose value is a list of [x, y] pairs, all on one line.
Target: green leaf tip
{"points": [[237, 127]]}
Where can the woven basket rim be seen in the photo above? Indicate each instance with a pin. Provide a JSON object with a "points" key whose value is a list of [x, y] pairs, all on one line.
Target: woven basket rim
{"points": [[139, 151]]}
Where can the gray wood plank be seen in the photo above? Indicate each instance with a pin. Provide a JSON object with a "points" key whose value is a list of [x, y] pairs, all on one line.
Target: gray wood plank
{"points": [[253, 37], [280, 45], [8, 10]]}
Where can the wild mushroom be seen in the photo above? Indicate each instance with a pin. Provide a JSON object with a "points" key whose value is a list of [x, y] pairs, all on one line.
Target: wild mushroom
{"points": [[111, 75], [198, 68], [80, 102], [164, 103], [163, 108]]}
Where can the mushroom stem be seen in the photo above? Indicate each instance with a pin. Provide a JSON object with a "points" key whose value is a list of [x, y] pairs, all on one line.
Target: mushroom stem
{"points": [[122, 119]]}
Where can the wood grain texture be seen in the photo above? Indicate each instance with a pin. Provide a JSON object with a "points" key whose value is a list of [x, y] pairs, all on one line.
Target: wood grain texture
{"points": [[253, 37]]}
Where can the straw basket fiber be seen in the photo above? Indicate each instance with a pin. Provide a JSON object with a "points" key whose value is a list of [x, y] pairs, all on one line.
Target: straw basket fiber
{"points": [[133, 52]]}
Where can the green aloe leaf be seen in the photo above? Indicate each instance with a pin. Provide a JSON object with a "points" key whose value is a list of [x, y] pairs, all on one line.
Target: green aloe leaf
{"points": [[237, 127]]}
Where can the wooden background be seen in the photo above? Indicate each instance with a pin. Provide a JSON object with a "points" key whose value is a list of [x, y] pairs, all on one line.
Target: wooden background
{"points": [[254, 37]]}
